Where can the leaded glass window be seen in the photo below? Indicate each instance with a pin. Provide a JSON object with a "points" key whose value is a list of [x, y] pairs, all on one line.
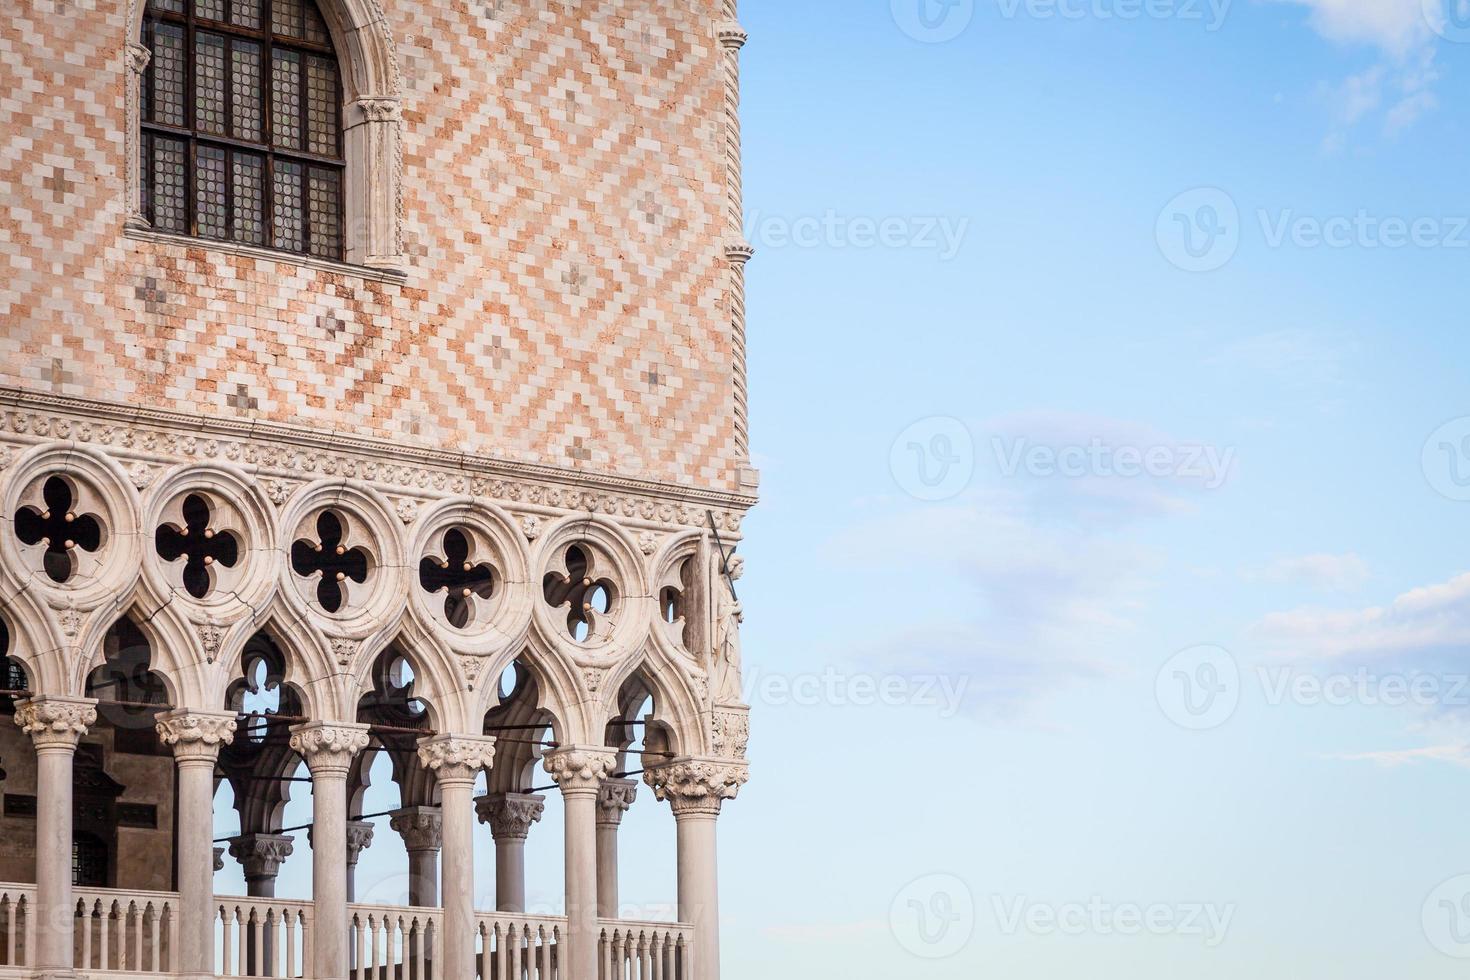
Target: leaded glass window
{"points": [[242, 127]]}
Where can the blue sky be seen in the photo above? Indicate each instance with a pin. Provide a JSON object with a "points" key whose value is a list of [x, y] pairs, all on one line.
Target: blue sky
{"points": [[1119, 691]]}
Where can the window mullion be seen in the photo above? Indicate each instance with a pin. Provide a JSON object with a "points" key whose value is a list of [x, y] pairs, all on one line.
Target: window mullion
{"points": [[191, 178]]}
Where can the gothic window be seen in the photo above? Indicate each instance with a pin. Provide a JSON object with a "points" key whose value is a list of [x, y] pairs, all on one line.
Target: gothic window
{"points": [[241, 119]]}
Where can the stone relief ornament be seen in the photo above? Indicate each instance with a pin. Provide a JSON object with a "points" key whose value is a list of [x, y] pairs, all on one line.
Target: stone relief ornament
{"points": [[55, 721], [343, 650], [648, 542], [697, 785], [210, 639], [408, 510], [732, 733], [580, 768], [531, 527], [510, 815], [730, 614]]}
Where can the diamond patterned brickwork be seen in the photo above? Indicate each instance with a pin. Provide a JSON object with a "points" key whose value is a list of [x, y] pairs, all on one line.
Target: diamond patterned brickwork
{"points": [[566, 218]]}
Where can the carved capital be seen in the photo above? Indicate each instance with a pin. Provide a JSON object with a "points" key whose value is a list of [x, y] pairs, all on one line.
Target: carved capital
{"points": [[457, 758], [56, 722], [739, 253], [697, 786], [138, 57], [378, 110], [359, 838], [261, 854], [329, 748], [614, 799], [732, 35], [510, 815], [196, 734], [421, 827], [580, 768]]}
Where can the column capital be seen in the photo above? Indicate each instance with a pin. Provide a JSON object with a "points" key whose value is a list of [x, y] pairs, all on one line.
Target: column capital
{"points": [[359, 838], [261, 854], [697, 785], [614, 799], [56, 722], [732, 35], [456, 758], [196, 735], [580, 768], [510, 815], [329, 747], [421, 827]]}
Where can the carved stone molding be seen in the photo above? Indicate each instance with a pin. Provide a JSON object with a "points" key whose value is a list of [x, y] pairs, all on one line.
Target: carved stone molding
{"points": [[614, 799], [261, 855], [456, 758], [421, 827], [510, 815], [697, 786], [56, 722], [580, 769], [329, 748], [196, 734]]}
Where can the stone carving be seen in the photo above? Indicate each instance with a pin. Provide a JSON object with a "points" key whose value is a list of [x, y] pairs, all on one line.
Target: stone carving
{"points": [[359, 837], [614, 799], [510, 815], [141, 475], [731, 732], [343, 650], [408, 510], [697, 785], [211, 637], [52, 721], [71, 622], [188, 728], [648, 542], [421, 827], [580, 769], [456, 757], [531, 527], [261, 855], [730, 614], [327, 747]]}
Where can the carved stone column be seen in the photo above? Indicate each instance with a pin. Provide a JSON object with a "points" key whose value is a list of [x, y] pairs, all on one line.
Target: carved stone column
{"points": [[510, 816], [328, 749], [456, 761], [422, 830], [614, 800], [695, 789], [373, 139], [579, 771], [196, 738], [138, 57], [55, 725], [359, 838]]}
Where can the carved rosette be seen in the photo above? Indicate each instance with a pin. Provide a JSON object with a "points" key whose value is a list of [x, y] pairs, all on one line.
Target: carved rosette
{"points": [[614, 799], [55, 722], [580, 769], [510, 815], [329, 748], [196, 734], [359, 838], [697, 786], [456, 758], [261, 855], [421, 827]]}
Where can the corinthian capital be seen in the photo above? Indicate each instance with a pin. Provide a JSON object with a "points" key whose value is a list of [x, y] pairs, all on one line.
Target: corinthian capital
{"points": [[615, 799], [359, 837], [456, 758], [196, 734], [421, 827], [697, 785], [329, 747], [53, 722], [580, 768], [510, 815], [261, 854]]}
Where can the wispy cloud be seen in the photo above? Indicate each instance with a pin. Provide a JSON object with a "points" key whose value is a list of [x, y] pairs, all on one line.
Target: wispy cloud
{"points": [[1329, 573], [1428, 622]]}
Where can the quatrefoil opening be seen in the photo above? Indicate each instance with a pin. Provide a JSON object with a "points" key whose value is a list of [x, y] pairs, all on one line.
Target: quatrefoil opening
{"points": [[62, 528], [674, 602], [591, 599], [329, 558], [468, 585], [203, 548]]}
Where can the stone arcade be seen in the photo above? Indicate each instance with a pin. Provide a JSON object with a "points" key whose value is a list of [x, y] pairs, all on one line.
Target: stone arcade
{"points": [[372, 385]]}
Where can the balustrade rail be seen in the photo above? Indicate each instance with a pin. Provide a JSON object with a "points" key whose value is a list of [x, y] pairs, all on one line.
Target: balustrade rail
{"points": [[262, 937], [392, 943], [518, 947], [17, 925], [645, 951]]}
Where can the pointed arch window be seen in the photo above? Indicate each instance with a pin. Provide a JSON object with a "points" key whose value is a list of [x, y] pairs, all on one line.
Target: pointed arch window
{"points": [[242, 137]]}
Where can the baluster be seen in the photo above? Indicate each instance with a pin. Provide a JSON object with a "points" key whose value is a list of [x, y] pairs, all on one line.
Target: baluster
{"points": [[9, 908], [308, 938], [272, 949], [30, 934], [502, 951], [289, 921], [162, 920]]}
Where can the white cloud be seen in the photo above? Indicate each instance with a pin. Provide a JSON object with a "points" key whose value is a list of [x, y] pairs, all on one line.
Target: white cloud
{"points": [[1454, 753], [1332, 573], [1428, 622], [1396, 26]]}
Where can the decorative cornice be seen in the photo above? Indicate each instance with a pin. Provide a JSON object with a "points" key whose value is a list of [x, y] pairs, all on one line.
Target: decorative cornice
{"points": [[456, 758], [359, 838], [614, 799], [329, 747], [56, 722], [421, 827], [283, 450], [697, 786], [580, 769], [732, 35], [739, 253], [510, 815], [196, 734], [261, 854]]}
